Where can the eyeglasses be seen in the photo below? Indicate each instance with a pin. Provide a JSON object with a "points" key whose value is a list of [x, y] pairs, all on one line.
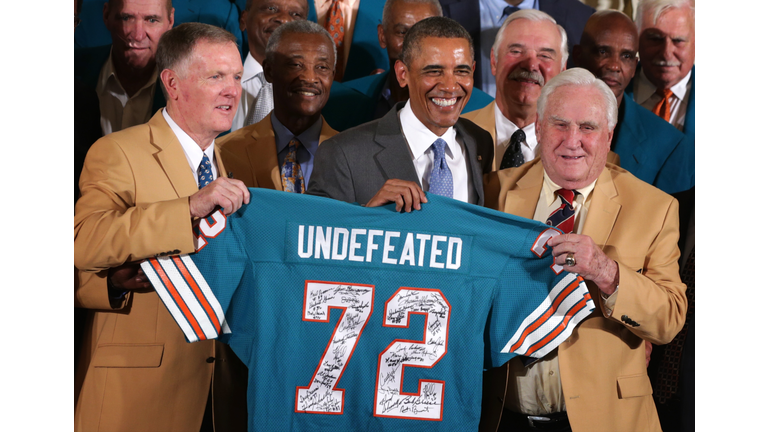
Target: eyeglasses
{"points": [[77, 21]]}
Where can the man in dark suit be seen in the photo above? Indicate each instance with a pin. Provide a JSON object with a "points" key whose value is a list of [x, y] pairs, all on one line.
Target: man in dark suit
{"points": [[571, 14], [124, 74], [374, 95], [422, 144], [665, 80], [648, 147]]}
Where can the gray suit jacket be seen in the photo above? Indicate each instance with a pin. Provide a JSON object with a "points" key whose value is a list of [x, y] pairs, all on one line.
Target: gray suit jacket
{"points": [[353, 165]]}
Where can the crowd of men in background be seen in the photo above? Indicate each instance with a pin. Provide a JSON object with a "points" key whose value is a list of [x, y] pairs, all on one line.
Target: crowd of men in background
{"points": [[544, 109]]}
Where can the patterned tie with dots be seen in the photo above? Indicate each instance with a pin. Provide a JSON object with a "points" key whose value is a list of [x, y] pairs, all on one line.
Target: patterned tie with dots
{"points": [[204, 173], [292, 177], [263, 103], [513, 156], [441, 179]]}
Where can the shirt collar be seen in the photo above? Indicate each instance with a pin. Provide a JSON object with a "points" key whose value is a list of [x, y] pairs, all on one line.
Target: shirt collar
{"points": [[193, 151], [109, 74], [550, 188], [420, 138], [251, 68], [310, 138], [505, 128], [646, 89]]}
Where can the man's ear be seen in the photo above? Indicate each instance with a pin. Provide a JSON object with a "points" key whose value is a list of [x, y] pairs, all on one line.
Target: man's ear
{"points": [[171, 83], [243, 25], [382, 39], [401, 72]]}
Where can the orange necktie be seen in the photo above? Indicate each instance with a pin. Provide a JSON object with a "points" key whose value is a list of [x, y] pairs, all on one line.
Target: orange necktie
{"points": [[663, 108], [335, 26]]}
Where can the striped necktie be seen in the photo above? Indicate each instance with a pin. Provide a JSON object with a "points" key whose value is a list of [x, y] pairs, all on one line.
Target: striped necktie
{"points": [[565, 215]]}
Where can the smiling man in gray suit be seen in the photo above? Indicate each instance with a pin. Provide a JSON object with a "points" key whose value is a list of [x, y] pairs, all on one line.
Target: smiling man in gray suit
{"points": [[420, 145]]}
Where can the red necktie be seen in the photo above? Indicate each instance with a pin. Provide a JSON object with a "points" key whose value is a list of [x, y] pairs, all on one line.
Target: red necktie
{"points": [[565, 215], [335, 26], [663, 108]]}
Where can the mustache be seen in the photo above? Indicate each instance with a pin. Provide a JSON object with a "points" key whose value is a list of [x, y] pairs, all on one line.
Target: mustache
{"points": [[524, 74]]}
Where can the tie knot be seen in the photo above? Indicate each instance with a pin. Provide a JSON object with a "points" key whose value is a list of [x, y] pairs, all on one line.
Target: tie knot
{"points": [[439, 148], [567, 194], [517, 138], [509, 10], [665, 93], [294, 143]]}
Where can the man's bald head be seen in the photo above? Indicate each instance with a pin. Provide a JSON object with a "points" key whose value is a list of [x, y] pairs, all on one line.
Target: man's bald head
{"points": [[608, 49]]}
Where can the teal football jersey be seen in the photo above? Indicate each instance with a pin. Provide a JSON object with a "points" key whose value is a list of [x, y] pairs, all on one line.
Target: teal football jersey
{"points": [[366, 319]]}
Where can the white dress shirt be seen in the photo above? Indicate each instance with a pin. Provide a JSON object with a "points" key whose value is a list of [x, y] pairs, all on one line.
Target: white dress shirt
{"points": [[118, 109], [192, 151], [645, 95], [504, 130], [251, 87], [420, 140]]}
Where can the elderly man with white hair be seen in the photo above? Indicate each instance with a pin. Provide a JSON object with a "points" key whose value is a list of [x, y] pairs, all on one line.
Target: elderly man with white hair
{"points": [[621, 237], [665, 81], [530, 48]]}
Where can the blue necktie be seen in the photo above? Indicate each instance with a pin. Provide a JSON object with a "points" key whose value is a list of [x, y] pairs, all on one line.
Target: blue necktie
{"points": [[441, 180], [204, 173], [509, 10]]}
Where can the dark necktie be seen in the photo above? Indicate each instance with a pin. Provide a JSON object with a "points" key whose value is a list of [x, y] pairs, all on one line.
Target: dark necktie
{"points": [[513, 156], [668, 375], [509, 10], [565, 215], [204, 173]]}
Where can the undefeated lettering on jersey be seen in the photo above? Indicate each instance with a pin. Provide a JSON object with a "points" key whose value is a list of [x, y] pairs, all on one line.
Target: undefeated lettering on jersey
{"points": [[354, 318]]}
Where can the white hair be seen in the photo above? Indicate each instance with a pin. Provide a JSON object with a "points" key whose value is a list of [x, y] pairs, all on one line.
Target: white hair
{"points": [[533, 15], [657, 7], [579, 77]]}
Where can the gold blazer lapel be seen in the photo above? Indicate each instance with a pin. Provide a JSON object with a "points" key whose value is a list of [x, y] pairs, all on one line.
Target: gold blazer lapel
{"points": [[603, 209], [262, 155], [171, 156], [522, 200]]}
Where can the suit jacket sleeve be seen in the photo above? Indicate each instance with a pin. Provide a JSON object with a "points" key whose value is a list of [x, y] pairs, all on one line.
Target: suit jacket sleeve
{"points": [[110, 228], [653, 297], [331, 175]]}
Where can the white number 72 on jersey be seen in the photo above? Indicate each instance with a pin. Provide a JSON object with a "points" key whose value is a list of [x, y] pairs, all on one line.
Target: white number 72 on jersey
{"points": [[356, 302]]}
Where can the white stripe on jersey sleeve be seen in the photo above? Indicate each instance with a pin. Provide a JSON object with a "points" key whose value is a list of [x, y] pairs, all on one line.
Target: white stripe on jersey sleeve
{"points": [[165, 296], [207, 292], [185, 291], [553, 321]]}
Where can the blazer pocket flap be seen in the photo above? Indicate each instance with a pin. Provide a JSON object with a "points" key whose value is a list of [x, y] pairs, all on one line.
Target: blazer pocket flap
{"points": [[128, 355], [634, 386]]}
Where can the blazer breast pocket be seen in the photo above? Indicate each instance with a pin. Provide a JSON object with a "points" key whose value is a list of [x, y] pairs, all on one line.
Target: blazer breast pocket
{"points": [[128, 355], [634, 385]]}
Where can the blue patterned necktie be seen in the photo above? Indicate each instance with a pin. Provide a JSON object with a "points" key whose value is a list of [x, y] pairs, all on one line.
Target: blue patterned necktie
{"points": [[441, 179], [292, 177], [564, 216], [204, 173]]}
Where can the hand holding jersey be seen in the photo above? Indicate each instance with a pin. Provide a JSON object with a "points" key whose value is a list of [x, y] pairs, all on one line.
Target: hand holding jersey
{"points": [[591, 262], [229, 194]]}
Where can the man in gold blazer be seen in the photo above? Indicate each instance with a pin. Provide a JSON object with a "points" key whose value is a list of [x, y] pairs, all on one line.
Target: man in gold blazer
{"points": [[623, 243], [140, 198], [299, 63]]}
